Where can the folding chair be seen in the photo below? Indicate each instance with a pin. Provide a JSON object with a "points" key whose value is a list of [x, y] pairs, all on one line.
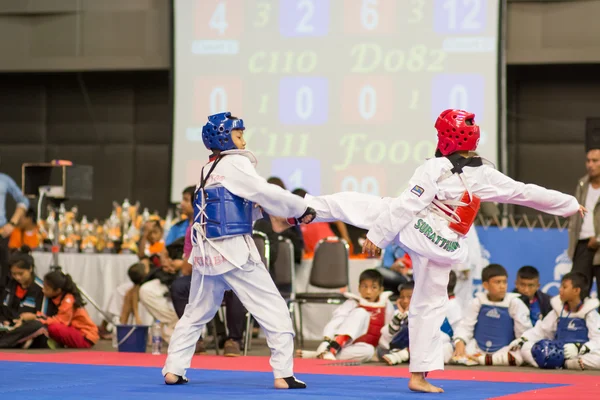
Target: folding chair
{"points": [[284, 269], [263, 245], [330, 270]]}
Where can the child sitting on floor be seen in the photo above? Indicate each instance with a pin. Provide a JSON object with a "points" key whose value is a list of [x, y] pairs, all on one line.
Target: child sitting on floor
{"points": [[492, 321], [569, 335], [394, 343], [68, 322], [354, 331]]}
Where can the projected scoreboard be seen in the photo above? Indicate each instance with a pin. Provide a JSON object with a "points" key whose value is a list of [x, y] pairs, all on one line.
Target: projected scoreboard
{"points": [[335, 94]]}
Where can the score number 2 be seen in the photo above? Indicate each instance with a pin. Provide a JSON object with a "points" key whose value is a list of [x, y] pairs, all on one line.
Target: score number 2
{"points": [[303, 17]]}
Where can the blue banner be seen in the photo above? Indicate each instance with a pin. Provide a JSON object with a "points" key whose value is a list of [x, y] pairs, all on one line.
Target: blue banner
{"points": [[545, 249]]}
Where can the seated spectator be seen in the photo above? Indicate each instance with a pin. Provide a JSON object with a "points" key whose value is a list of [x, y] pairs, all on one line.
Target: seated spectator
{"points": [[314, 232], [569, 336], [178, 230], [395, 268], [151, 242], [131, 309], [394, 342], [454, 312], [528, 286], [115, 304], [26, 233], [154, 290], [67, 320], [355, 329], [293, 233], [492, 321], [393, 346], [23, 297]]}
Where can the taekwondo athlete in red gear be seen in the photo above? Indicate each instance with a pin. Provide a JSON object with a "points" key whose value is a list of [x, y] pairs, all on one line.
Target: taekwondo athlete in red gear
{"points": [[430, 220], [224, 255]]}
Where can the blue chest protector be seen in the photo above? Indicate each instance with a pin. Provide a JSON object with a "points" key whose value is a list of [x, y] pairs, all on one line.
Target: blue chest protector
{"points": [[571, 330], [225, 214], [535, 312], [400, 339], [447, 328], [494, 328]]}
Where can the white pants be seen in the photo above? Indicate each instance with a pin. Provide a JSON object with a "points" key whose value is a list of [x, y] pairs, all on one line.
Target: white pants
{"points": [[428, 303], [464, 289], [257, 292], [355, 325], [590, 360], [499, 357], [114, 306], [152, 296]]}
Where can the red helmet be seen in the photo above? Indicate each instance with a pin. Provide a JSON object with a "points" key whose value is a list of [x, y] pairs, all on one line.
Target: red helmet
{"points": [[457, 131]]}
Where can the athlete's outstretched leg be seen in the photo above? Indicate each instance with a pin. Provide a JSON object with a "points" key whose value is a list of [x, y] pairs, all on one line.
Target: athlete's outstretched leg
{"points": [[357, 209]]}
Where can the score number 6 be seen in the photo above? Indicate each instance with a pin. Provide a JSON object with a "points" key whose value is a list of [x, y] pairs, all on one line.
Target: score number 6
{"points": [[369, 17]]}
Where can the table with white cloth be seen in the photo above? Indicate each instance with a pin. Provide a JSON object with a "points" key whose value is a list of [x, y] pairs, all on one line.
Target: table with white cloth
{"points": [[97, 274], [100, 274], [316, 316]]}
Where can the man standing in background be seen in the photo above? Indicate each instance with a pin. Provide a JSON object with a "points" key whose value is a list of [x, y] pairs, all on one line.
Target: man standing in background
{"points": [[9, 187], [584, 233]]}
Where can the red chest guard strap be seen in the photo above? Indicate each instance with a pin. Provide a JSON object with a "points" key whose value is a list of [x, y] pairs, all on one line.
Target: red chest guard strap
{"points": [[466, 214]]}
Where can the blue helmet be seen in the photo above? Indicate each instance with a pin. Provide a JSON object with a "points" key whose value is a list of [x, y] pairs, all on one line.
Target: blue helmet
{"points": [[548, 354], [216, 134]]}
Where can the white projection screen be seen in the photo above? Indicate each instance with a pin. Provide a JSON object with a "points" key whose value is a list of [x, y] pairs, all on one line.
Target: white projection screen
{"points": [[336, 95]]}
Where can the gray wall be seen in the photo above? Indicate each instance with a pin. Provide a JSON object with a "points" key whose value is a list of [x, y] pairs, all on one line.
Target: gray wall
{"points": [[547, 110], [116, 114], [117, 122], [80, 35]]}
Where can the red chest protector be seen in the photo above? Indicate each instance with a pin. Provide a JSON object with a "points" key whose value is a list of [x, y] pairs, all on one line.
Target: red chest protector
{"points": [[466, 213], [463, 215], [376, 322]]}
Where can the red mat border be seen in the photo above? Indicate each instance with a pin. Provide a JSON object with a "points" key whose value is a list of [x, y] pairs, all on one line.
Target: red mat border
{"points": [[579, 385]]}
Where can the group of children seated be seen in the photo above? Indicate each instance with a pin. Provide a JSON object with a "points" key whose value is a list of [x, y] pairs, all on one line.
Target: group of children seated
{"points": [[498, 328], [42, 313]]}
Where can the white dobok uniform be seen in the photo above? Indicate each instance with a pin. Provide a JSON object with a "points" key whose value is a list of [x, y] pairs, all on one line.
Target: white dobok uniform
{"points": [[488, 327], [234, 263], [547, 328], [359, 318], [415, 223]]}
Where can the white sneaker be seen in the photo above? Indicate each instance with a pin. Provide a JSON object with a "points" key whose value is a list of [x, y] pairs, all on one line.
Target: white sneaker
{"points": [[396, 357]]}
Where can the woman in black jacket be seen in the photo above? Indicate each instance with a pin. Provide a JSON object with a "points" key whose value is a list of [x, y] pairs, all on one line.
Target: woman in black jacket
{"points": [[22, 296]]}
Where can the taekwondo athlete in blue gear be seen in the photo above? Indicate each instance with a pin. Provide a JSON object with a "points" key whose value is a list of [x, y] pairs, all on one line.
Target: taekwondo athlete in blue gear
{"points": [[224, 255], [569, 335]]}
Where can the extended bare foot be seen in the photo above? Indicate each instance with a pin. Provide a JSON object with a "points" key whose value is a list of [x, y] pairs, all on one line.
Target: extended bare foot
{"points": [[418, 383]]}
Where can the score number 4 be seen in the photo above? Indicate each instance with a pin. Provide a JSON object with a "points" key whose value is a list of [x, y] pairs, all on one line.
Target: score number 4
{"points": [[218, 20]]}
